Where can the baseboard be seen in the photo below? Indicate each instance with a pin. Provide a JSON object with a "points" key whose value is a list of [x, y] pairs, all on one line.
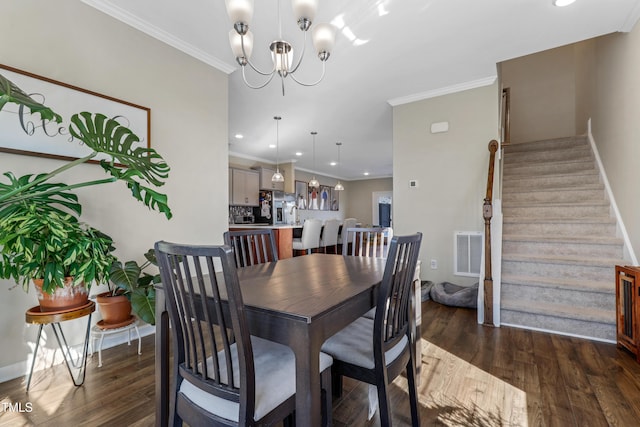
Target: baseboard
{"points": [[566, 334], [21, 369]]}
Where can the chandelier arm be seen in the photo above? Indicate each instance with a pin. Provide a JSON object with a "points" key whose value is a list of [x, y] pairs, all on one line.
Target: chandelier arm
{"points": [[309, 84], [244, 77], [304, 48], [246, 57]]}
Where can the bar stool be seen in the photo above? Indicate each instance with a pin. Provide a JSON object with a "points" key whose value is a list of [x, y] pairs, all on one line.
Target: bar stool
{"points": [[35, 316], [99, 331]]}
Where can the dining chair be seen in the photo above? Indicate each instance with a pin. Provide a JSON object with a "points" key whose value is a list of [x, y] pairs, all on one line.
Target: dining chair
{"points": [[310, 238], [219, 380], [252, 247], [344, 237], [329, 236], [377, 350], [368, 242]]}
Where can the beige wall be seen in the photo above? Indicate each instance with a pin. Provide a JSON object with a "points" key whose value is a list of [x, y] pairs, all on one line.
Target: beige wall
{"points": [[360, 200], [616, 123], [451, 169], [543, 94], [74, 43]]}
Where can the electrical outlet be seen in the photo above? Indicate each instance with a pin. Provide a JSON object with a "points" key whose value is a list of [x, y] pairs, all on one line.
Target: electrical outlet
{"points": [[434, 264]]}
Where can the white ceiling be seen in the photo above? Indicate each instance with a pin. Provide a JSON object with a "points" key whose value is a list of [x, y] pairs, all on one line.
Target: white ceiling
{"points": [[398, 51]]}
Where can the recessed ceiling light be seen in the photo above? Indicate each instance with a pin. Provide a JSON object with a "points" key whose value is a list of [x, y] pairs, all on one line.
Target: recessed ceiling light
{"points": [[298, 153], [563, 3], [272, 145], [333, 163], [239, 136], [366, 174]]}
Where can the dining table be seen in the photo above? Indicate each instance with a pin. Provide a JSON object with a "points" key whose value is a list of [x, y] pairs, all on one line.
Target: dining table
{"points": [[299, 302]]}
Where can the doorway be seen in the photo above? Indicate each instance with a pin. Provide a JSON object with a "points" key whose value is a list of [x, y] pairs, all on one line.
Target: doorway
{"points": [[381, 209]]}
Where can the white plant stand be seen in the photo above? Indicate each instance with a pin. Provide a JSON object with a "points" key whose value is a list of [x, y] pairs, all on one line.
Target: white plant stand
{"points": [[98, 334]]}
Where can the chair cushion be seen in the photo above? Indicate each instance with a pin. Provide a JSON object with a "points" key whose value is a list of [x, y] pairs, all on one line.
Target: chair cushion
{"points": [[371, 314], [354, 344], [275, 368]]}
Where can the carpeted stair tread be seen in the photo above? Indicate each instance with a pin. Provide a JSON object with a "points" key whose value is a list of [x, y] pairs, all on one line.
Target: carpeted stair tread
{"points": [[565, 283], [560, 310], [567, 260], [559, 220], [605, 240]]}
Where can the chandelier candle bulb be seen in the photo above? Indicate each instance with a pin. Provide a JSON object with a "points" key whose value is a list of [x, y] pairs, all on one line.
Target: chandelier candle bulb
{"points": [[240, 11], [236, 41], [305, 10], [324, 37]]}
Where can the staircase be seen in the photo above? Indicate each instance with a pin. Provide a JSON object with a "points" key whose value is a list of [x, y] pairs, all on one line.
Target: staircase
{"points": [[559, 241]]}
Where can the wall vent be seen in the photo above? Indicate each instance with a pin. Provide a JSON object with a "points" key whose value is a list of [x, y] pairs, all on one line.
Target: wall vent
{"points": [[467, 248]]}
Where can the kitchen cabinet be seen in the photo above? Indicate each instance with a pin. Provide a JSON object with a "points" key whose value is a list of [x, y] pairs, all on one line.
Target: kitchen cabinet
{"points": [[265, 180], [244, 187]]}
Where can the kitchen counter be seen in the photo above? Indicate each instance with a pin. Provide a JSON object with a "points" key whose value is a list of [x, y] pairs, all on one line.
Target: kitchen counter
{"points": [[255, 226], [283, 235]]}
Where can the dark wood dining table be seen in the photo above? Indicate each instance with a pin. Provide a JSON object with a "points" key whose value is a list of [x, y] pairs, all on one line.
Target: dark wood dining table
{"points": [[299, 302]]}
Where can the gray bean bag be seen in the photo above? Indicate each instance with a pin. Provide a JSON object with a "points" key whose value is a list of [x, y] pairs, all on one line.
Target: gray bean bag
{"points": [[455, 295]]}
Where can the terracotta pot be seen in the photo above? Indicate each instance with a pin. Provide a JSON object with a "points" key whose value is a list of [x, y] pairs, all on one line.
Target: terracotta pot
{"points": [[70, 296], [115, 309]]}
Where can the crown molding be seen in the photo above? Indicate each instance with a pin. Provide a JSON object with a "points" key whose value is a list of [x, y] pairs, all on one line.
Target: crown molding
{"points": [[122, 15], [486, 81]]}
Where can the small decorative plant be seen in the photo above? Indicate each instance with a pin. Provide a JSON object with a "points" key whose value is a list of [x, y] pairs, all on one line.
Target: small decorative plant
{"points": [[131, 280], [40, 232]]}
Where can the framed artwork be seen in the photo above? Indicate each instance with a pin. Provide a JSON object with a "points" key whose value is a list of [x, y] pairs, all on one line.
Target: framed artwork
{"points": [[313, 203], [24, 133], [335, 200], [302, 194], [325, 198]]}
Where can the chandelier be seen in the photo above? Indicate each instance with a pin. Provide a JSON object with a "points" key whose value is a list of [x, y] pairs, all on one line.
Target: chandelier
{"points": [[277, 177], [314, 182], [339, 186], [241, 39]]}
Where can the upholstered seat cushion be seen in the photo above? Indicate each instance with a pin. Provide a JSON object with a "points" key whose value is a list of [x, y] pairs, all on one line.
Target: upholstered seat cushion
{"points": [[275, 380], [354, 344]]}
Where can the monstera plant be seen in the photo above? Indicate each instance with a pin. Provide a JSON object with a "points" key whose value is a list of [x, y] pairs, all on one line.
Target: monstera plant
{"points": [[41, 235]]}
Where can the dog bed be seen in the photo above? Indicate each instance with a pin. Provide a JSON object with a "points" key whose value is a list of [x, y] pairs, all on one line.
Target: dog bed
{"points": [[455, 295]]}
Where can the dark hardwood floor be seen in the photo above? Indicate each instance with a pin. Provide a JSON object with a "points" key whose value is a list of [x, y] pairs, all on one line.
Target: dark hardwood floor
{"points": [[471, 376]]}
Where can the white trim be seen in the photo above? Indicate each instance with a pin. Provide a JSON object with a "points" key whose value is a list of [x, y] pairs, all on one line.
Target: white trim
{"points": [[21, 369], [474, 84], [124, 16], [548, 331], [632, 18], [614, 206]]}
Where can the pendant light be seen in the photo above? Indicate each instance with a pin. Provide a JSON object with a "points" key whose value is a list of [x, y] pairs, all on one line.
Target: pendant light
{"points": [[314, 182], [277, 177], [339, 186]]}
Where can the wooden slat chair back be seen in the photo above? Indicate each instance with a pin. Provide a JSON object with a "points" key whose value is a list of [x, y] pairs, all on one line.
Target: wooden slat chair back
{"points": [[377, 350], [368, 242], [252, 247], [214, 379]]}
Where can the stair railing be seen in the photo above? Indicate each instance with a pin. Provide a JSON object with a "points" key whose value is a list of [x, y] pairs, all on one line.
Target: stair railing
{"points": [[506, 116], [487, 213]]}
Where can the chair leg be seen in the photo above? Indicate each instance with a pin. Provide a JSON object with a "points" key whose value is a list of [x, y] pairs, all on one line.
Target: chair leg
{"points": [[383, 405], [290, 420], [327, 404], [336, 384], [413, 393]]}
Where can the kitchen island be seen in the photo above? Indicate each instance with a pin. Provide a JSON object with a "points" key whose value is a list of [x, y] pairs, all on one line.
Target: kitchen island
{"points": [[283, 235]]}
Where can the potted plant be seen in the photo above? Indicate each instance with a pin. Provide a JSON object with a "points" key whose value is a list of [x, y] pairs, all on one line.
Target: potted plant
{"points": [[130, 280], [58, 252], [54, 243]]}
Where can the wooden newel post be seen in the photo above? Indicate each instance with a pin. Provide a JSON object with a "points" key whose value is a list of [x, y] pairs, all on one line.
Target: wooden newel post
{"points": [[487, 213]]}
